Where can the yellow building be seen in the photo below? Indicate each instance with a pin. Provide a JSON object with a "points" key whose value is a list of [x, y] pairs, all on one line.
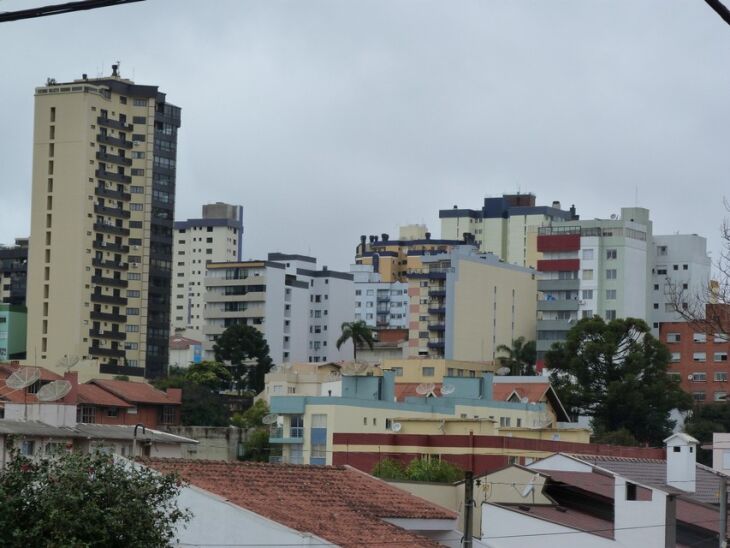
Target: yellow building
{"points": [[463, 305], [100, 262]]}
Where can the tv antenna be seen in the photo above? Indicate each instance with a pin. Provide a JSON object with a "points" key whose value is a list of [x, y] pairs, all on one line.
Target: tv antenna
{"points": [[447, 389], [23, 377], [54, 390], [67, 362], [271, 418], [426, 389]]}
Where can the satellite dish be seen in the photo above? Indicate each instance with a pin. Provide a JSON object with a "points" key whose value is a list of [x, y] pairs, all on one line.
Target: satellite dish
{"points": [[503, 371], [529, 487], [447, 389], [426, 389], [54, 390], [271, 418], [67, 362], [23, 377], [525, 399], [354, 368], [396, 427]]}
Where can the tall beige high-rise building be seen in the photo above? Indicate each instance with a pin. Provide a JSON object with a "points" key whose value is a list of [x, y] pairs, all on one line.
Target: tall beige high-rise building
{"points": [[100, 258]]}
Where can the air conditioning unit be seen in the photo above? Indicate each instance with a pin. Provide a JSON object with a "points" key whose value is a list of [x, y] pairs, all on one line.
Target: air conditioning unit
{"points": [[690, 377]]}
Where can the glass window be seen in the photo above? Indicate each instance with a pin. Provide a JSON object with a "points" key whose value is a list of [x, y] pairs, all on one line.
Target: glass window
{"points": [[720, 376], [673, 337], [699, 337], [719, 356], [610, 294], [611, 274], [588, 274], [676, 357], [587, 294], [427, 371], [699, 357], [610, 315], [699, 376], [611, 254]]}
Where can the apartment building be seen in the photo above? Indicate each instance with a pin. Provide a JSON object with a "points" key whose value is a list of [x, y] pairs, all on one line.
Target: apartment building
{"points": [[14, 272], [505, 226], [298, 308], [381, 305], [464, 304], [393, 259], [100, 261], [216, 237], [13, 320]]}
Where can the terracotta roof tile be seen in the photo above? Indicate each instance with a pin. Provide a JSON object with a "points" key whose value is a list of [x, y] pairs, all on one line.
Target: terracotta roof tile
{"points": [[405, 390], [535, 392], [46, 374], [182, 343], [135, 392], [95, 395], [337, 503]]}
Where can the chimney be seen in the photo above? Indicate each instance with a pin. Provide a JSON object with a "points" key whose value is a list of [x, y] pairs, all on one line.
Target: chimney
{"points": [[428, 235], [681, 462], [175, 394], [363, 239], [573, 216], [556, 204], [384, 237], [73, 378], [115, 70]]}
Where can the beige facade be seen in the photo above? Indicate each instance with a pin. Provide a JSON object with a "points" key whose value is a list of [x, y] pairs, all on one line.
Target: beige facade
{"points": [[425, 370], [101, 227], [464, 305]]}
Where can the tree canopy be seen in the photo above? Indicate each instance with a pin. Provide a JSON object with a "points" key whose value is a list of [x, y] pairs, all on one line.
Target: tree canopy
{"points": [[257, 446], [616, 373], [419, 469], [248, 353], [202, 405], [359, 333], [520, 358], [85, 500], [704, 421]]}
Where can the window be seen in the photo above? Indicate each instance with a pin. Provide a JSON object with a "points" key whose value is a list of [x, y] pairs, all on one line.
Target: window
{"points": [[86, 414], [427, 371], [721, 338], [610, 315], [136, 207], [136, 189], [673, 337], [587, 294], [398, 371], [699, 376], [699, 357], [140, 102], [137, 155], [656, 287], [699, 337], [611, 254], [168, 414], [588, 274], [587, 254], [27, 448], [685, 267], [358, 292], [504, 422], [720, 396], [656, 306], [719, 357], [133, 293], [630, 491], [132, 311], [139, 119], [611, 274], [720, 376], [132, 328], [138, 172], [611, 294], [697, 396], [588, 313], [112, 411], [676, 357]]}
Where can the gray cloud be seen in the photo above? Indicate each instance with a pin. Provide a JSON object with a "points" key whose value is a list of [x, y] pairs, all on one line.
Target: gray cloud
{"points": [[331, 119]]}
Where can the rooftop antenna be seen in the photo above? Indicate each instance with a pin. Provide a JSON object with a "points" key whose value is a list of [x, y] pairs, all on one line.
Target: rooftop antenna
{"points": [[426, 389], [54, 390], [23, 377]]}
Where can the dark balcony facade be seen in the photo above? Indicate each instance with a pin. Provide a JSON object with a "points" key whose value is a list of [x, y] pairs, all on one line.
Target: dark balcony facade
{"points": [[109, 246], [438, 327], [111, 282], [436, 344], [108, 299], [111, 211], [110, 352], [439, 310], [113, 159], [111, 229], [113, 141], [112, 335], [114, 265], [114, 194], [437, 293], [116, 124], [116, 369], [111, 176], [108, 317]]}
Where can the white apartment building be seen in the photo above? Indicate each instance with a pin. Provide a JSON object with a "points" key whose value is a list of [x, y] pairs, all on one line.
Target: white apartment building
{"points": [[379, 304], [299, 309], [216, 237]]}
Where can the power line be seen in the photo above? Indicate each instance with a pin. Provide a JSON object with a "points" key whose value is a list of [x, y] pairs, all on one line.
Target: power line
{"points": [[58, 9]]}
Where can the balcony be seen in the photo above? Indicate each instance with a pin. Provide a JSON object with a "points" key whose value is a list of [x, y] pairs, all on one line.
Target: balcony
{"points": [[114, 194], [438, 327], [437, 343], [114, 159], [439, 293], [108, 317], [113, 335], [558, 285], [106, 139], [111, 211], [558, 305], [110, 264], [111, 176], [116, 124], [109, 246], [279, 434], [112, 282], [107, 299], [110, 352], [111, 229], [439, 311]]}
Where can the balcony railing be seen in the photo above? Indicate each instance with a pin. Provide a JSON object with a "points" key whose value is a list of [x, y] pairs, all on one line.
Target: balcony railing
{"points": [[111, 176], [110, 246], [108, 317], [110, 264], [437, 327], [114, 194], [113, 335], [111, 229], [113, 158], [108, 299], [106, 139], [116, 124], [111, 352], [439, 311], [111, 211], [113, 282]]}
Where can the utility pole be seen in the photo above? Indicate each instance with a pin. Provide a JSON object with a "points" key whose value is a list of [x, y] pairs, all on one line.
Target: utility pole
{"points": [[468, 507], [723, 511]]}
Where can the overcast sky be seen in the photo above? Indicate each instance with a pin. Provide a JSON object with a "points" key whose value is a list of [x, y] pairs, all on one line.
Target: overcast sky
{"points": [[331, 119]]}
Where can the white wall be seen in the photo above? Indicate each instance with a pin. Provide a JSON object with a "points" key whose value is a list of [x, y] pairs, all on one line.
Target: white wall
{"points": [[49, 413]]}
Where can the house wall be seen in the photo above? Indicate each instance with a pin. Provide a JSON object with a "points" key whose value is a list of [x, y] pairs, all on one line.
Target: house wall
{"points": [[214, 443], [49, 413]]}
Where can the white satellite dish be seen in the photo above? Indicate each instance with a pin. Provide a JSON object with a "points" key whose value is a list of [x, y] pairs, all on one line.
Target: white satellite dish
{"points": [[525, 399], [271, 418], [426, 389], [503, 371], [67, 362], [447, 389], [54, 390], [396, 427], [23, 377], [530, 486]]}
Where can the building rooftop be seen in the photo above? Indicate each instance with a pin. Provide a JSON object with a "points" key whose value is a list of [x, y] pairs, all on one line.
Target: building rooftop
{"points": [[182, 343], [336, 503], [88, 431], [136, 392], [92, 394]]}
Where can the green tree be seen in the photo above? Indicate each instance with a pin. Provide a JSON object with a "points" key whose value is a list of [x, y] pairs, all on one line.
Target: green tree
{"points": [[389, 469], [248, 353], [359, 333], [619, 437], [705, 420], [256, 447], [214, 375], [84, 500], [424, 469], [521, 356], [616, 373], [201, 404]]}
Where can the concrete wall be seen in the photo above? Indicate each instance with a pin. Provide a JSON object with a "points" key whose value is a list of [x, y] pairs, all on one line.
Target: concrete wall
{"points": [[214, 443]]}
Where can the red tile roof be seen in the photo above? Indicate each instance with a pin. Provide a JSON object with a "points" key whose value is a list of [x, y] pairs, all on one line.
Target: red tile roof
{"points": [[337, 503], [135, 392], [46, 375], [182, 343], [534, 391], [91, 394], [405, 390]]}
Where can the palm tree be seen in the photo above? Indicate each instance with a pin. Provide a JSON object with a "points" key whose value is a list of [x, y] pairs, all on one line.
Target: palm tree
{"points": [[520, 358], [360, 334]]}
